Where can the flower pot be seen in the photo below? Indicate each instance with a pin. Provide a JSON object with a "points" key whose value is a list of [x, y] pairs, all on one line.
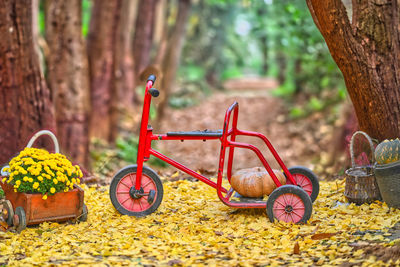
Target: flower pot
{"points": [[388, 178], [28, 209]]}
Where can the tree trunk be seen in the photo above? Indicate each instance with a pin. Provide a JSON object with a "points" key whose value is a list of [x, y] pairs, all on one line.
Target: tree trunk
{"points": [[161, 30], [36, 33], [262, 12], [25, 104], [281, 61], [298, 79], [124, 73], [68, 76], [173, 52], [102, 41], [366, 47], [144, 32], [264, 50]]}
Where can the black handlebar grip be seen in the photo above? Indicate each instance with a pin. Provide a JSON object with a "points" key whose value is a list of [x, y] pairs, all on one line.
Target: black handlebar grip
{"points": [[152, 78], [154, 92]]}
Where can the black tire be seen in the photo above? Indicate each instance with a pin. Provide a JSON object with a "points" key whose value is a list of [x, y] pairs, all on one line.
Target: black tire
{"points": [[8, 206], [304, 211], [20, 212], [149, 173], [312, 180], [84, 215]]}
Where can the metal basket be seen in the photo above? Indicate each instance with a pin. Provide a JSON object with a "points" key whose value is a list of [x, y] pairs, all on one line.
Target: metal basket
{"points": [[388, 178]]}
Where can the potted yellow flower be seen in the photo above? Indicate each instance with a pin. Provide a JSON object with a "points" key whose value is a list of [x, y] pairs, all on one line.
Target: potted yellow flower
{"points": [[42, 186]]}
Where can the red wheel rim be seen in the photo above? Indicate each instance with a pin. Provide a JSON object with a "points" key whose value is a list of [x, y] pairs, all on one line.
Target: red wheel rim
{"points": [[303, 181], [289, 208], [133, 204]]}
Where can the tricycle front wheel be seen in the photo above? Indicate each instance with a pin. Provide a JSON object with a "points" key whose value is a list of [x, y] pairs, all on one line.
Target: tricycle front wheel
{"points": [[289, 203], [305, 179], [129, 201]]}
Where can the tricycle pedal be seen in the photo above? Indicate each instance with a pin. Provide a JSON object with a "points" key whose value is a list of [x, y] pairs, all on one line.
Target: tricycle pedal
{"points": [[151, 197]]}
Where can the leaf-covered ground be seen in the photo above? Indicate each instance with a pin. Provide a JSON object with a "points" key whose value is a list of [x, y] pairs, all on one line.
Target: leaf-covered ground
{"points": [[192, 227]]}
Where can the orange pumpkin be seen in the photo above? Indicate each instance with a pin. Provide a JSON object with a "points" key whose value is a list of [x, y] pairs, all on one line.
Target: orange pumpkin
{"points": [[255, 182]]}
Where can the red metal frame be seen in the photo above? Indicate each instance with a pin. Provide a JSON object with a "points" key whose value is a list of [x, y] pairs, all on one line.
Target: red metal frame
{"points": [[145, 150]]}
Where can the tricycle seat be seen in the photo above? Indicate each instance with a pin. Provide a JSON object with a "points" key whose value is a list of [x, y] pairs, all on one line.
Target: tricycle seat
{"points": [[205, 133]]}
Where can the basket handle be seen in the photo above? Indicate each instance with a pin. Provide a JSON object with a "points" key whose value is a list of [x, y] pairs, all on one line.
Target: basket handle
{"points": [[45, 132], [353, 164]]}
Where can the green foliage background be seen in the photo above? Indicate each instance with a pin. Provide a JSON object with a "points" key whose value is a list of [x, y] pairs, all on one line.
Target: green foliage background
{"points": [[231, 39]]}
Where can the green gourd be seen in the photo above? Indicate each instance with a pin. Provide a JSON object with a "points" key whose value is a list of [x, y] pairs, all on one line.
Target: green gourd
{"points": [[388, 151]]}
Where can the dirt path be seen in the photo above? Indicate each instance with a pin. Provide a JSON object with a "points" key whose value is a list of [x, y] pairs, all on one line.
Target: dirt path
{"points": [[298, 142]]}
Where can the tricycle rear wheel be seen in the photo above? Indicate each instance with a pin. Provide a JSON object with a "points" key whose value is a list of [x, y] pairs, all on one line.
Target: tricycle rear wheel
{"points": [[138, 203], [289, 203], [305, 179]]}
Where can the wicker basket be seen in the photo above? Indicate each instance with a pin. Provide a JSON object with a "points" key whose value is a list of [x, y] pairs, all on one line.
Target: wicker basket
{"points": [[361, 186]]}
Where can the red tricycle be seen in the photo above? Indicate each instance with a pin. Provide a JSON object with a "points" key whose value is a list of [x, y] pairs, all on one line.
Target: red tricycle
{"points": [[137, 190]]}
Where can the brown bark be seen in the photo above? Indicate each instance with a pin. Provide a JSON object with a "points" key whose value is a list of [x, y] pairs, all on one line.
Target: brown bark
{"points": [[264, 51], [124, 75], [36, 33], [25, 104], [124, 67], [102, 41], [282, 64], [173, 52], [160, 42], [68, 76], [144, 32], [161, 30], [368, 54]]}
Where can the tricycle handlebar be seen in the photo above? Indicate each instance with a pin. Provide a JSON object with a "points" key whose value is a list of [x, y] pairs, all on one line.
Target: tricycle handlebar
{"points": [[152, 78], [154, 92]]}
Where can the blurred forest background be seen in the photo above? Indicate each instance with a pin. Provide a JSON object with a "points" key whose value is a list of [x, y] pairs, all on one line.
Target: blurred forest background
{"points": [[94, 57]]}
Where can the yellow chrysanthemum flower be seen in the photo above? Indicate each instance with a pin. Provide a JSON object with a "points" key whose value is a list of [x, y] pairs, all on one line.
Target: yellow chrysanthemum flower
{"points": [[35, 165], [35, 185], [44, 197]]}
